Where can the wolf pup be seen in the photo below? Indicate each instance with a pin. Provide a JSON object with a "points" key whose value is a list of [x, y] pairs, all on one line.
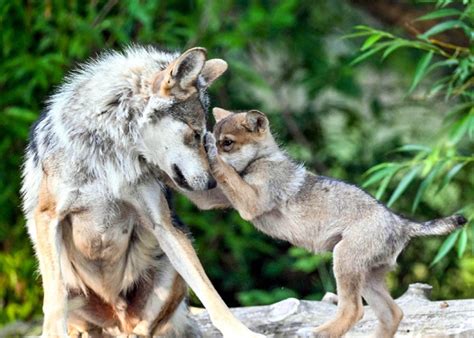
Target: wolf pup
{"points": [[111, 259], [318, 213]]}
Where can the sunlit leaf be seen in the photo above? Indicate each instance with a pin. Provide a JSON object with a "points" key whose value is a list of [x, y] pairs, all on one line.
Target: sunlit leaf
{"points": [[370, 41], [447, 245]]}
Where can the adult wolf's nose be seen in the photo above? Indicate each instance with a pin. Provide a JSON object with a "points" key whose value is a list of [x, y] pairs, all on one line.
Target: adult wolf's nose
{"points": [[211, 184]]}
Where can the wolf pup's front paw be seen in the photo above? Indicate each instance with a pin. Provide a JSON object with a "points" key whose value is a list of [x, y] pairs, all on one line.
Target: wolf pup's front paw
{"points": [[210, 146]]}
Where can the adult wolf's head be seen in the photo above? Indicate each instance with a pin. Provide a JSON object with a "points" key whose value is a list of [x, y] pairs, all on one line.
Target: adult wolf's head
{"points": [[174, 120]]}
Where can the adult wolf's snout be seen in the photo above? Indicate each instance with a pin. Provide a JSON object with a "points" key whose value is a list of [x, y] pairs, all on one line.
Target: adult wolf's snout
{"points": [[179, 178], [202, 181]]}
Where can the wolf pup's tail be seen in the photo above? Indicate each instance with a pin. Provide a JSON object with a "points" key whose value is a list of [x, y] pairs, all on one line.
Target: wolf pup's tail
{"points": [[440, 226]]}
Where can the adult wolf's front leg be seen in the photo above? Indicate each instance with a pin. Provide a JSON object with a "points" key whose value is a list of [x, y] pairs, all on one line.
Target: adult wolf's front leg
{"points": [[181, 253]]}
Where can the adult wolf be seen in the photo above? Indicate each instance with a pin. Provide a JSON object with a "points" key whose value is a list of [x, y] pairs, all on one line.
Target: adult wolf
{"points": [[109, 256]]}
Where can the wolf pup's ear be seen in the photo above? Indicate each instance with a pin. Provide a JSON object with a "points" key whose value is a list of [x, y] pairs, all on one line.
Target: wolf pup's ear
{"points": [[213, 69], [255, 121], [182, 73], [220, 114]]}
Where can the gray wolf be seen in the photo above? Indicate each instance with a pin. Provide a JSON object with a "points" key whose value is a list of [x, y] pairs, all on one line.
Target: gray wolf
{"points": [[282, 199], [111, 259]]}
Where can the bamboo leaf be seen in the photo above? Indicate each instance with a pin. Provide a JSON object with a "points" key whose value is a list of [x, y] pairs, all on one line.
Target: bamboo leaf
{"points": [[458, 129], [446, 247], [378, 167], [370, 41], [449, 176], [421, 70], [383, 186], [444, 26], [441, 13], [378, 175], [406, 180], [393, 47], [462, 243], [414, 148], [367, 54], [425, 184]]}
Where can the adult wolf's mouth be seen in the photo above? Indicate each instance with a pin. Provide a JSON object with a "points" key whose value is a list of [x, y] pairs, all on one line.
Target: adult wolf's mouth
{"points": [[180, 179]]}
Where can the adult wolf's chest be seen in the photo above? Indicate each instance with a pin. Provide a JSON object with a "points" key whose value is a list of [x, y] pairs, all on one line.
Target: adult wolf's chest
{"points": [[103, 230]]}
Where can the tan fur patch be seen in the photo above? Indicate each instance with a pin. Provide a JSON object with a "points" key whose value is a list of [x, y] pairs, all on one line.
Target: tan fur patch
{"points": [[166, 87], [175, 298]]}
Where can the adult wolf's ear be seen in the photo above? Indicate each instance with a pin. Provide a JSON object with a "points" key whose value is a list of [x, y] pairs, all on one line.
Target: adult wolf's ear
{"points": [[213, 69], [255, 121], [220, 114], [181, 74]]}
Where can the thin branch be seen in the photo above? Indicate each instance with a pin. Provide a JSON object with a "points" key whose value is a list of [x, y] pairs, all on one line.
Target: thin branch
{"points": [[103, 13]]}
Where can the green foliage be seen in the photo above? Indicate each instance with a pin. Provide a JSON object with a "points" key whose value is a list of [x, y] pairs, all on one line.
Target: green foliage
{"points": [[450, 154], [286, 59]]}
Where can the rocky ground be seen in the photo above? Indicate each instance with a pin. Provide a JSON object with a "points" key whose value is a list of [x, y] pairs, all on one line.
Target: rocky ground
{"points": [[423, 318]]}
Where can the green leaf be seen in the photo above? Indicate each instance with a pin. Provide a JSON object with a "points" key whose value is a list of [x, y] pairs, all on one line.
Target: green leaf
{"points": [[462, 243], [458, 129], [444, 26], [414, 148], [383, 186], [446, 247], [370, 41], [367, 54], [378, 167], [379, 175], [441, 13], [421, 70], [406, 180], [449, 176], [425, 184], [393, 47]]}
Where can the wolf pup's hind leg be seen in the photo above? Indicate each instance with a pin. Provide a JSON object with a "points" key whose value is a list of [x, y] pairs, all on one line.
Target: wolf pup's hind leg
{"points": [[349, 286], [377, 296]]}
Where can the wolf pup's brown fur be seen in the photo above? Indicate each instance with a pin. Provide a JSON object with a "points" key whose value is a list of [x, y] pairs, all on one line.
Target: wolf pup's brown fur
{"points": [[318, 213]]}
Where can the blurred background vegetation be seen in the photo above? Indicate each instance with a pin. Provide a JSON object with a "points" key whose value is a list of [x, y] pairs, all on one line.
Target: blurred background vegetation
{"points": [[410, 118]]}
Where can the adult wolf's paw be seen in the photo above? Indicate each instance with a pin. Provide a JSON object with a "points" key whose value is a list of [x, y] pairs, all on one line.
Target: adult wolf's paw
{"points": [[210, 146]]}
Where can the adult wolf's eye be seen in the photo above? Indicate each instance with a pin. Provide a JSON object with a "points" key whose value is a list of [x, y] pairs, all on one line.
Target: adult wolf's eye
{"points": [[227, 144]]}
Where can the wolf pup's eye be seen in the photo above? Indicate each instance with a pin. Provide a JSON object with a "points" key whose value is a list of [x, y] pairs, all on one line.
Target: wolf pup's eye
{"points": [[197, 136], [227, 144]]}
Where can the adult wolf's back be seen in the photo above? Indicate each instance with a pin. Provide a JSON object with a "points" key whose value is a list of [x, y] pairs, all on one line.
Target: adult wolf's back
{"points": [[94, 204]]}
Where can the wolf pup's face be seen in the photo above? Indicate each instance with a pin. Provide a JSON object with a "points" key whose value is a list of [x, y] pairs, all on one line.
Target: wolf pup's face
{"points": [[175, 119], [240, 137]]}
